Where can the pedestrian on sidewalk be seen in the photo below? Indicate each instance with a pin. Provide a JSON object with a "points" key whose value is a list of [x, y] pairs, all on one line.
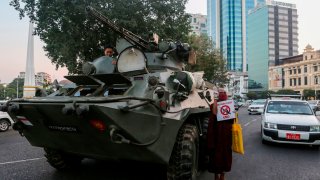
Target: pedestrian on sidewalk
{"points": [[219, 141]]}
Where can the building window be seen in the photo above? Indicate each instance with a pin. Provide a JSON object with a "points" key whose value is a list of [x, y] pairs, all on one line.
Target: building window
{"points": [[311, 56], [299, 81], [315, 68], [305, 68], [306, 57], [295, 71], [305, 80], [315, 80], [294, 82], [194, 20], [299, 71], [290, 71], [290, 82]]}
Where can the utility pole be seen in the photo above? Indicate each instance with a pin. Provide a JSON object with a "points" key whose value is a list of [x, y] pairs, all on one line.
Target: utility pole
{"points": [[18, 87]]}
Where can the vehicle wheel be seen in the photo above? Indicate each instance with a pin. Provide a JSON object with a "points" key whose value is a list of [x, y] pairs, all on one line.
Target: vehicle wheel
{"points": [[61, 160], [183, 164], [249, 113], [203, 154], [4, 125]]}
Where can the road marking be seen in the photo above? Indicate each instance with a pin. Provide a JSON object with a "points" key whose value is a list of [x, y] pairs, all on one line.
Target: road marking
{"points": [[19, 161], [253, 120]]}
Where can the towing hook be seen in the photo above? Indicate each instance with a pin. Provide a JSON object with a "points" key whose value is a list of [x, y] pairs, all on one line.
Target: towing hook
{"points": [[116, 137]]}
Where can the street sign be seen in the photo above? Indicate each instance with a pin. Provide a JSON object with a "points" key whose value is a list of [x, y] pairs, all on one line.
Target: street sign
{"points": [[225, 110]]}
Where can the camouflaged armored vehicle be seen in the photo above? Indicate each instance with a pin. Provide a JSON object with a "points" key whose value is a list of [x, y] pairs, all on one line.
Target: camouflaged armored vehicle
{"points": [[140, 106]]}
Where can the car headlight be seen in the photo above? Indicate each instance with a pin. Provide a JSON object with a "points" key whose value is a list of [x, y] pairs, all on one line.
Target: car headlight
{"points": [[270, 125], [314, 128]]}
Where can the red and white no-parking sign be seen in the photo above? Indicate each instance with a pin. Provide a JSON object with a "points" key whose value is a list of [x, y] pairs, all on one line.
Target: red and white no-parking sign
{"points": [[226, 110]]}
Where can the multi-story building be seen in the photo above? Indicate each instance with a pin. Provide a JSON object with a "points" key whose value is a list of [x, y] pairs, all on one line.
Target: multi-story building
{"points": [[198, 23], [297, 72], [227, 27], [272, 36], [40, 78], [238, 84], [43, 78]]}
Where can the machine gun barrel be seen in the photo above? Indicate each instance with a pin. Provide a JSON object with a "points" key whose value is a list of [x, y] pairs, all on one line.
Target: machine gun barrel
{"points": [[124, 33]]}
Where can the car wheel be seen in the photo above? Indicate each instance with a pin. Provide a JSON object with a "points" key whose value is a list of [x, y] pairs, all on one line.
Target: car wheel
{"points": [[4, 125], [250, 113]]}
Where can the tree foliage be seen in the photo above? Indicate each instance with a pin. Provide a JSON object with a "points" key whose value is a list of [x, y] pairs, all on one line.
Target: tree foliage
{"points": [[71, 37], [252, 95], [309, 94], [286, 91], [209, 60]]}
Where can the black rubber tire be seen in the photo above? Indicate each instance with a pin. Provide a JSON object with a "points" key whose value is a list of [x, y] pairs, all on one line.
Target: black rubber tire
{"points": [[4, 125], [60, 160], [183, 164], [203, 154]]}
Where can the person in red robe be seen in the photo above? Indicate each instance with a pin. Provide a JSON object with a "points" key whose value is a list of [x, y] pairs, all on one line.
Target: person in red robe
{"points": [[219, 141]]}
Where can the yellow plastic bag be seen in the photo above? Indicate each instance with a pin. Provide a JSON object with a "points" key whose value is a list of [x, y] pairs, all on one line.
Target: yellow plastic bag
{"points": [[237, 140]]}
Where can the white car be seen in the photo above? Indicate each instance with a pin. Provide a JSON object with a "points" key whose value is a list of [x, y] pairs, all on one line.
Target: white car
{"points": [[256, 107], [314, 104], [290, 121], [5, 121]]}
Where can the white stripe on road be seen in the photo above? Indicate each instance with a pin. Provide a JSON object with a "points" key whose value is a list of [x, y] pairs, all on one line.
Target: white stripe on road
{"points": [[25, 160], [246, 124]]}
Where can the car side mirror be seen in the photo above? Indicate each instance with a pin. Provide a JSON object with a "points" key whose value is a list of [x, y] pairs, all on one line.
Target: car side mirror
{"points": [[317, 113]]}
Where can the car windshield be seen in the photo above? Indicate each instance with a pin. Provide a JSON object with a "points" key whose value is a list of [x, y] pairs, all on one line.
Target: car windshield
{"points": [[289, 107], [258, 102]]}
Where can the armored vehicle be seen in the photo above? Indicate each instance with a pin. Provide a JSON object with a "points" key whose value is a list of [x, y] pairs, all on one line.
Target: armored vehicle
{"points": [[139, 106]]}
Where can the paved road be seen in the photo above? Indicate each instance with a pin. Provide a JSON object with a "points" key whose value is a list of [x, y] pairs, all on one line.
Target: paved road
{"points": [[20, 161]]}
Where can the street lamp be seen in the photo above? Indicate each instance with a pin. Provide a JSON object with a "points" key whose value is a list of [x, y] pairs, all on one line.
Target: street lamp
{"points": [[18, 87]]}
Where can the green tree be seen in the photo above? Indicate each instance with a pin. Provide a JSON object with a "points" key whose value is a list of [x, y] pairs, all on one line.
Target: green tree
{"points": [[252, 95], [13, 85], [71, 37], [286, 91], [209, 60], [308, 94], [266, 94]]}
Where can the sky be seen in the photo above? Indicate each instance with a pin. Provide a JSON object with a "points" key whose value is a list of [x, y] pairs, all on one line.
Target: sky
{"points": [[14, 37]]}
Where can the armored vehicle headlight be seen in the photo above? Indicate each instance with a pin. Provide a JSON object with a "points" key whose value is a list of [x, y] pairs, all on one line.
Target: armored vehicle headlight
{"points": [[131, 59]]}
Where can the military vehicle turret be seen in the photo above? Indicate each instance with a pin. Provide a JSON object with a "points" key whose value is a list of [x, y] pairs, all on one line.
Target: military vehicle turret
{"points": [[139, 106]]}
